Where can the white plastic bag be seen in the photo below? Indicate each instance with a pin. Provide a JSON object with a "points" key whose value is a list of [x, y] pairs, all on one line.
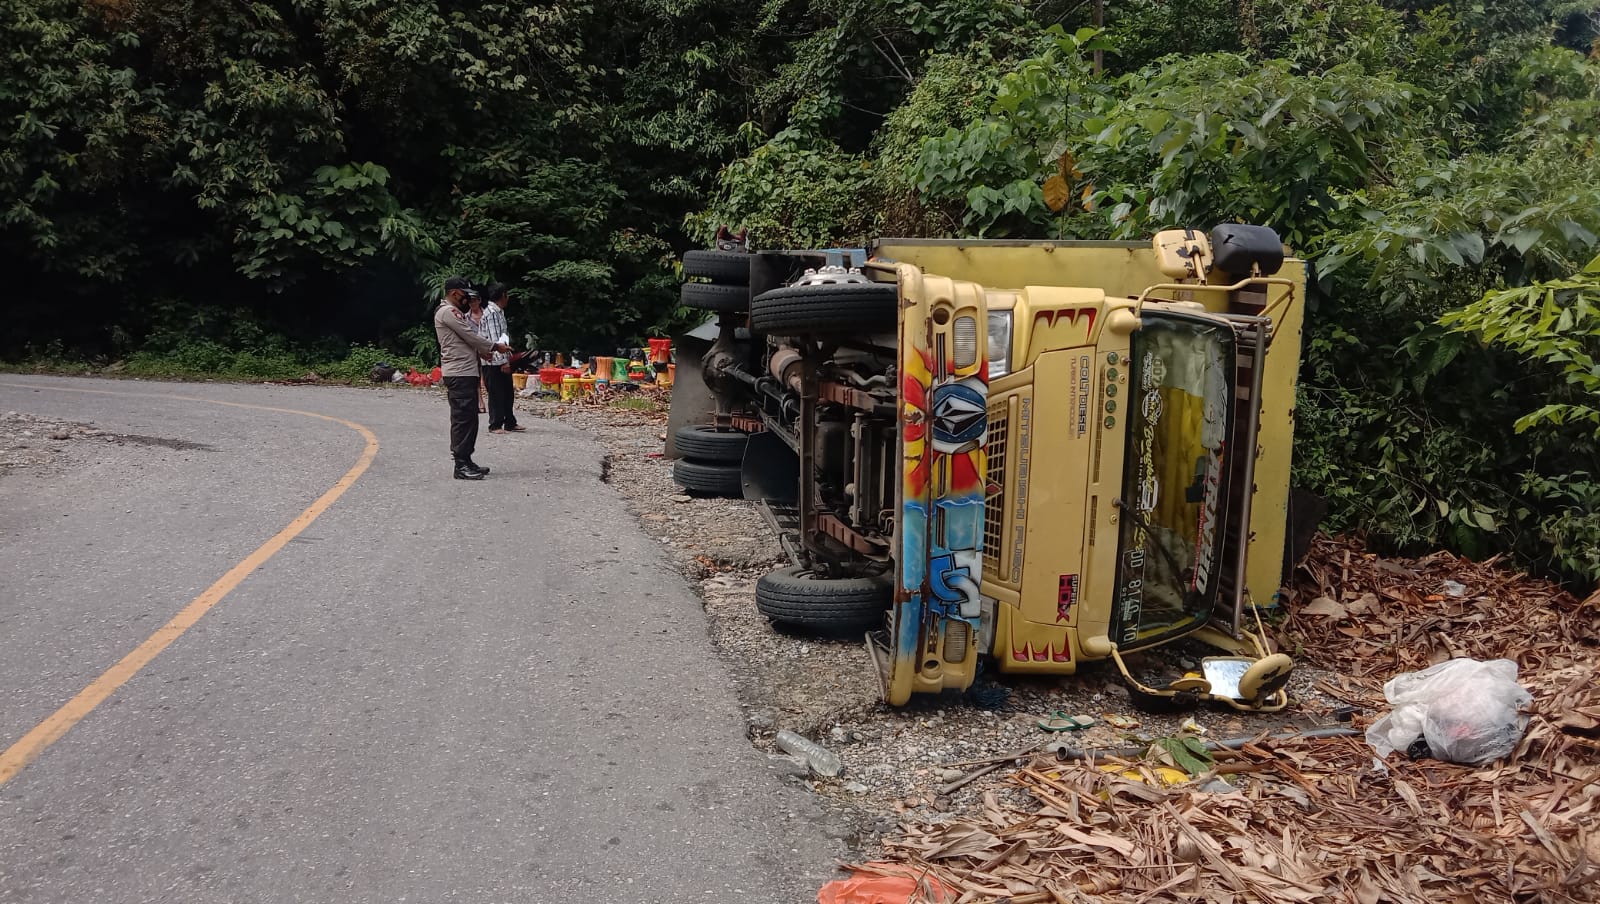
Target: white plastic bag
{"points": [[1468, 711]]}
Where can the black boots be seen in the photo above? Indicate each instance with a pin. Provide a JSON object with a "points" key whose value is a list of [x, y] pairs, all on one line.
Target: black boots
{"points": [[466, 470]]}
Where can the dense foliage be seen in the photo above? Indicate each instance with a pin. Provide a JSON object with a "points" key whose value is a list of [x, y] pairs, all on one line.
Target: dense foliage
{"points": [[1436, 161], [198, 180], [186, 170]]}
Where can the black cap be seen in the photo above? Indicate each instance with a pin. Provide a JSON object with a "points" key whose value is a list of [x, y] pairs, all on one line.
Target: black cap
{"points": [[457, 282]]}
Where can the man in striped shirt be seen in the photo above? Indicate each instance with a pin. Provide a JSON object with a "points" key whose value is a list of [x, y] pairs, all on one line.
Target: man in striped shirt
{"points": [[497, 372]]}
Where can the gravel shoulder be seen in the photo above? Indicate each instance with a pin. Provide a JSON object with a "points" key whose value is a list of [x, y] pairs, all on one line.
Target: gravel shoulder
{"points": [[896, 760]]}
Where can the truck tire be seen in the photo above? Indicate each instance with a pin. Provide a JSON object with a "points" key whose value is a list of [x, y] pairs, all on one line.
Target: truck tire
{"points": [[829, 309], [793, 596], [714, 297], [709, 479], [704, 442], [730, 268]]}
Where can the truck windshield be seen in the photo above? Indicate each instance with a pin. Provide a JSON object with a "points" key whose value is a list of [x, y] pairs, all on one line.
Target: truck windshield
{"points": [[1178, 417]]}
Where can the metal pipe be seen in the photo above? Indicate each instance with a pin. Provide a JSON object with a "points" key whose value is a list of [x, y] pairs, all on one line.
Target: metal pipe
{"points": [[811, 536], [1138, 306]]}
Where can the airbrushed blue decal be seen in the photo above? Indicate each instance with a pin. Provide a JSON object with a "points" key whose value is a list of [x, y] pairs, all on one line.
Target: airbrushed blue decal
{"points": [[913, 545], [944, 424], [954, 586], [963, 525]]}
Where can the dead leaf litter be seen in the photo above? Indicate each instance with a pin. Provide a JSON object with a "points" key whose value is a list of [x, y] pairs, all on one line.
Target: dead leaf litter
{"points": [[971, 797]]}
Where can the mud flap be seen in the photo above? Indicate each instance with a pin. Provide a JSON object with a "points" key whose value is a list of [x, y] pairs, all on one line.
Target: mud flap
{"points": [[943, 420], [771, 469], [692, 402]]}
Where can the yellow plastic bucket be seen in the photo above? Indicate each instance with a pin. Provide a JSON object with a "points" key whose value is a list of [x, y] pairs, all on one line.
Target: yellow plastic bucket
{"points": [[519, 382], [569, 388], [586, 386]]}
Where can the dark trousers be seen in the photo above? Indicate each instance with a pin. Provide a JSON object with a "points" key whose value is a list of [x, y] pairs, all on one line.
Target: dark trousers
{"points": [[463, 395], [501, 394]]}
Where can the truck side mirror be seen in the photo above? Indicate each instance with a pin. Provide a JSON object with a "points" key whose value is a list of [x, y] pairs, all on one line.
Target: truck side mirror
{"points": [[1240, 249]]}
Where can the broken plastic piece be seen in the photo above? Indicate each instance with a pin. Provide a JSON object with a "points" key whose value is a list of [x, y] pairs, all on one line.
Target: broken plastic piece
{"points": [[866, 888]]}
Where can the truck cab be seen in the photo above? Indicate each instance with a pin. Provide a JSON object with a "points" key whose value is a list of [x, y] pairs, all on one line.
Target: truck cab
{"points": [[1045, 453]]}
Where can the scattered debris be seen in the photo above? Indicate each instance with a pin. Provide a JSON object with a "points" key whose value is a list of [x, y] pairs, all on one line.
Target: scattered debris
{"points": [[1283, 816], [1060, 721], [1315, 825], [1303, 817], [1464, 711], [882, 883], [1391, 619], [822, 761]]}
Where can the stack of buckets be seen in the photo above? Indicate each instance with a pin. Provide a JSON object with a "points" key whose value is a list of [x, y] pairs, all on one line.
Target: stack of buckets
{"points": [[565, 380], [661, 361], [571, 383]]}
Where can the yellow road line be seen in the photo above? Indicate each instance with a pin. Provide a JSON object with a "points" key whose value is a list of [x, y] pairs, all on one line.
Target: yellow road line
{"points": [[19, 755]]}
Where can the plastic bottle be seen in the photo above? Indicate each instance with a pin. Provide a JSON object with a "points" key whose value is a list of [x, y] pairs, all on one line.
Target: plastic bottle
{"points": [[822, 761]]}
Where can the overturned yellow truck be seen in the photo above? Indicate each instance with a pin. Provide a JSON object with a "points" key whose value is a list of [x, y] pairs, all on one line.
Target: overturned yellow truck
{"points": [[1042, 453]]}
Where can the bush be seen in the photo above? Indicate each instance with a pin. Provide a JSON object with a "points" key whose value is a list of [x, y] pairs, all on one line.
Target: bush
{"points": [[356, 367], [206, 358]]}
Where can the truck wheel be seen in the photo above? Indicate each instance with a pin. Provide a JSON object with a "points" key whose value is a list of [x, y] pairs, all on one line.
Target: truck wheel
{"points": [[704, 442], [713, 297], [829, 309], [731, 268], [794, 596], [712, 480]]}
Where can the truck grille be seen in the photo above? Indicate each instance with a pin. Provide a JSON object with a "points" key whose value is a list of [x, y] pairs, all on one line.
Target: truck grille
{"points": [[994, 504]]}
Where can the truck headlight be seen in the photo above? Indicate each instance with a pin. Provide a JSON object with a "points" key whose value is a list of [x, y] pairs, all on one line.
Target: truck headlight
{"points": [[999, 343]]}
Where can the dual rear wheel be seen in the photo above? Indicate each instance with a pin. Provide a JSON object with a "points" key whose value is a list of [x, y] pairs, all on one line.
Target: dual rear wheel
{"points": [[710, 460]]}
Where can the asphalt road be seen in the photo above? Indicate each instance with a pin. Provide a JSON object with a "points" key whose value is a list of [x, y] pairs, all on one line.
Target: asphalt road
{"points": [[419, 698]]}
